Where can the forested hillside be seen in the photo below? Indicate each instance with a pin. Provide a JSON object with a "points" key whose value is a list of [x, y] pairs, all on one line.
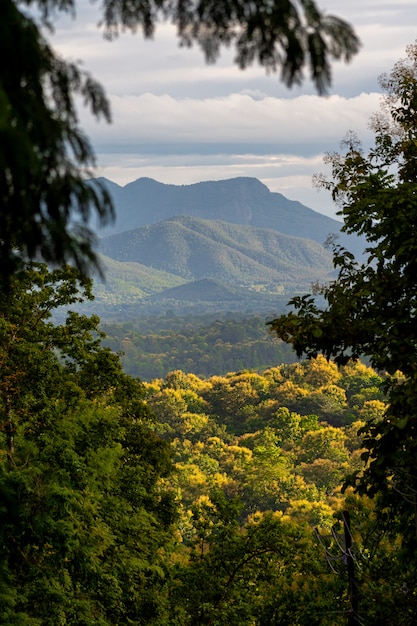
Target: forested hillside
{"points": [[152, 347], [188, 257], [260, 460], [216, 246], [185, 500], [284, 495], [242, 200], [242, 255]]}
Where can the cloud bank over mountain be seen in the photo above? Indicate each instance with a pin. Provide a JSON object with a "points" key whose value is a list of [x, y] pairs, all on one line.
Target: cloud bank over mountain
{"points": [[180, 121]]}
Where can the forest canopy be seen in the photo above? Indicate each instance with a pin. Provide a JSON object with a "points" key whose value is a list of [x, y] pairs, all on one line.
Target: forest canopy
{"points": [[370, 309], [183, 500], [81, 469]]}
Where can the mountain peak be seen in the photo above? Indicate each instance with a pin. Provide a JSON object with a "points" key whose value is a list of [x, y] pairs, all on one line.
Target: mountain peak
{"points": [[241, 200]]}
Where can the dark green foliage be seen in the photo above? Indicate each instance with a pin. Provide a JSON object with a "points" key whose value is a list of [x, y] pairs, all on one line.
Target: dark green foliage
{"points": [[84, 514], [371, 307], [44, 156], [252, 574], [215, 348]]}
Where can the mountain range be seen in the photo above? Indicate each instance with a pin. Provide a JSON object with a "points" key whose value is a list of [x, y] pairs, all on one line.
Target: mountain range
{"points": [[238, 200], [229, 244]]}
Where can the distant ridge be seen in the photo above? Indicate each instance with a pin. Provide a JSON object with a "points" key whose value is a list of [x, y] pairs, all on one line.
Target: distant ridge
{"points": [[241, 200], [228, 245], [204, 289], [194, 249]]}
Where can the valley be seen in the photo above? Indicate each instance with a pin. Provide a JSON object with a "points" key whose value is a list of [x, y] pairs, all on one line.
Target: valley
{"points": [[212, 247]]}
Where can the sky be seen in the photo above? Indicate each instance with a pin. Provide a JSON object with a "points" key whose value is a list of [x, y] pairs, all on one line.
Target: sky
{"points": [[181, 121]]}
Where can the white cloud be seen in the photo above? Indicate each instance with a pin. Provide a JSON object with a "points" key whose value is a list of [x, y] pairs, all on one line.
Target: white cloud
{"points": [[287, 174], [237, 119], [130, 65], [180, 121], [279, 141]]}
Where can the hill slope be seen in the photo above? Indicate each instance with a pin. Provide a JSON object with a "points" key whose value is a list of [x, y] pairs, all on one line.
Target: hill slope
{"points": [[238, 200], [194, 249], [129, 282], [255, 248]]}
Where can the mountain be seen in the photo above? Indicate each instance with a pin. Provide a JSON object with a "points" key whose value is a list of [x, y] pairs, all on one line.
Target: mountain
{"points": [[193, 249], [128, 282], [230, 244], [237, 200], [201, 298]]}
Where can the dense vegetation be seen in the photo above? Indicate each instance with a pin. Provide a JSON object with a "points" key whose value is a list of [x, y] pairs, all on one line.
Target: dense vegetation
{"points": [[371, 308], [221, 246], [188, 501], [150, 348], [184, 500], [235, 254], [84, 515], [260, 460], [289, 433]]}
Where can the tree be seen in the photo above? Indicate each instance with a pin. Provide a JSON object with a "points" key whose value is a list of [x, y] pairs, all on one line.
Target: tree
{"points": [[84, 514], [283, 35], [370, 309], [44, 156], [268, 481], [385, 579], [46, 201], [267, 571]]}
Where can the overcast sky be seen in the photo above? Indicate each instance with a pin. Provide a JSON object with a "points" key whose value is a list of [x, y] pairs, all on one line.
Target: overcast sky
{"points": [[178, 120]]}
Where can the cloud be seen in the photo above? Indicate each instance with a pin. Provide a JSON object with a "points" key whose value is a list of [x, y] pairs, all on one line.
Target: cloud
{"points": [[306, 123], [287, 174], [181, 141], [131, 66], [177, 119]]}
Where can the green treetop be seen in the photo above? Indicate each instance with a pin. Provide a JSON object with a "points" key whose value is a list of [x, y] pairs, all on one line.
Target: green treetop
{"points": [[371, 307], [85, 518]]}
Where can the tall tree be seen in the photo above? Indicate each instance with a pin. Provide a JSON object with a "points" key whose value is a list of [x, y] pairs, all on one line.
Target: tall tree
{"points": [[267, 571], [44, 156], [84, 515], [370, 309]]}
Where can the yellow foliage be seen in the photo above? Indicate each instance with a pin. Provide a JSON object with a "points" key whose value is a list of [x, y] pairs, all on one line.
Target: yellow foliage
{"points": [[372, 410], [320, 372], [289, 392]]}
